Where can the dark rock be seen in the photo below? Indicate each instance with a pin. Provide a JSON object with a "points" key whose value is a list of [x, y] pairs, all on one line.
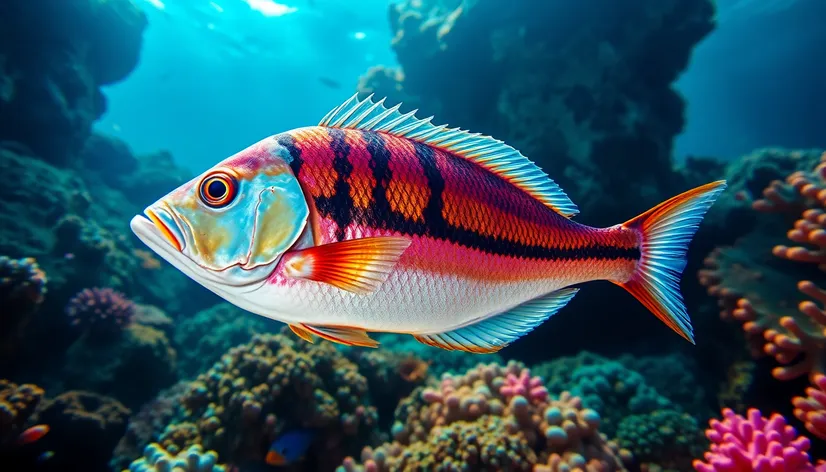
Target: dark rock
{"points": [[54, 56], [582, 88]]}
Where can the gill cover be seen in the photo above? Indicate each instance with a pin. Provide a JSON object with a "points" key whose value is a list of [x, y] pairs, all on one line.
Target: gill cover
{"points": [[239, 217]]}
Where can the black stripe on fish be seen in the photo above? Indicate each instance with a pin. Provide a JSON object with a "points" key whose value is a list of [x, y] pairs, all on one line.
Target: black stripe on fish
{"points": [[288, 142], [339, 206]]}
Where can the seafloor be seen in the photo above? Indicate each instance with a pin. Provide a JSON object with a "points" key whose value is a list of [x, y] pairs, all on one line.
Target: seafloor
{"points": [[124, 359]]}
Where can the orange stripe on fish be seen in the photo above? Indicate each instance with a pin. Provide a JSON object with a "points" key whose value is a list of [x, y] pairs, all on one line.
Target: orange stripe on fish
{"points": [[361, 179], [407, 191]]}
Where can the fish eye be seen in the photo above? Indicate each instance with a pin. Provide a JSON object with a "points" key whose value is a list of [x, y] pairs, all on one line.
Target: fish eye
{"points": [[218, 189]]}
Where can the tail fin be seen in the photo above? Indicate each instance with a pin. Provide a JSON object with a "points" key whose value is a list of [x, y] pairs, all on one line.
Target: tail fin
{"points": [[665, 233]]}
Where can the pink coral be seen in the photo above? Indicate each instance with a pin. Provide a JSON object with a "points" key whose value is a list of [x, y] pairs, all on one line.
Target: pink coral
{"points": [[524, 385], [754, 443]]}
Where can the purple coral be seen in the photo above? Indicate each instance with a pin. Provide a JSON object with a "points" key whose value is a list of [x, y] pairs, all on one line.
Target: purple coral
{"points": [[100, 311]]}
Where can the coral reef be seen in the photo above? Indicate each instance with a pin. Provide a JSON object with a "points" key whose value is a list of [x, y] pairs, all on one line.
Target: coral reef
{"points": [[148, 423], [276, 383], [55, 56], [193, 459], [210, 332], [17, 404], [22, 288], [657, 430], [133, 367], [769, 286], [476, 421], [610, 93], [84, 429], [754, 443], [101, 313]]}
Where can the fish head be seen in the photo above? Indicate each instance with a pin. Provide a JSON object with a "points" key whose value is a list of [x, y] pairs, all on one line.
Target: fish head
{"points": [[229, 227]]}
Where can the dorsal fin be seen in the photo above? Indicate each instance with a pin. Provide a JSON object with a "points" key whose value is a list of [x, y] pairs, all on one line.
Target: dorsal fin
{"points": [[485, 151]]}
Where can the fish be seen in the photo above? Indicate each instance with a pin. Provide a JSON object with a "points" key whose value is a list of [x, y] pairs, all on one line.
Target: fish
{"points": [[377, 221], [290, 447], [45, 456], [330, 83], [33, 434]]}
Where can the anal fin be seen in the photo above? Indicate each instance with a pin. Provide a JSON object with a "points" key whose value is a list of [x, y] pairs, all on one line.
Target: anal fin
{"points": [[302, 333], [494, 333], [342, 335]]}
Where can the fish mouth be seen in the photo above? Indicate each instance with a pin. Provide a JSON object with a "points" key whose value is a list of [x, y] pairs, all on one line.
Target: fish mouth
{"points": [[167, 226]]}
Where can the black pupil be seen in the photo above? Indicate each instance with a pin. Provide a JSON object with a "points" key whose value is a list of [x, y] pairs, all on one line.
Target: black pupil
{"points": [[216, 189]]}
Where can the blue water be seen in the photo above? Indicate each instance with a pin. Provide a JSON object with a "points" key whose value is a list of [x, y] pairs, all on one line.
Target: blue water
{"points": [[216, 76]]}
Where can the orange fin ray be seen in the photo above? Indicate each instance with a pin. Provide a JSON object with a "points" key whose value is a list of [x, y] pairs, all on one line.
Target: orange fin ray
{"points": [[342, 335], [494, 333], [358, 265], [302, 333]]}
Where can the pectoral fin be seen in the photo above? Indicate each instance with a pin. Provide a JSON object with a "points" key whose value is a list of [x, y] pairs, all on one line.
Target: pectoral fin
{"points": [[358, 266], [302, 333], [342, 335], [496, 332]]}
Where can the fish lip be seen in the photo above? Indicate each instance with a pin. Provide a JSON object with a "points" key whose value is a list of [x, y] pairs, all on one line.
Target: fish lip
{"points": [[167, 226]]}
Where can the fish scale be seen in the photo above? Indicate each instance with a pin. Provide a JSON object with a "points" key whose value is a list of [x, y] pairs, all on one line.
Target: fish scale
{"points": [[375, 220]]}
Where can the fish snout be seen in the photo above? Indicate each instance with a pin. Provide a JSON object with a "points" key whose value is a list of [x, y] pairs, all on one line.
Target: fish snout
{"points": [[166, 224]]}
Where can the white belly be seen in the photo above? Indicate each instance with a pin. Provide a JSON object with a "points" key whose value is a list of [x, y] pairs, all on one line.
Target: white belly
{"points": [[410, 301]]}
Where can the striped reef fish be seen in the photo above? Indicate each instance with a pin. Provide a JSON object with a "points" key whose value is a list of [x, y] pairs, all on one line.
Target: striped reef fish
{"points": [[376, 221]]}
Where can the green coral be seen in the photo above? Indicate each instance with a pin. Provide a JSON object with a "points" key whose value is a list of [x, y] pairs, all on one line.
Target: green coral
{"points": [[615, 392], [667, 438]]}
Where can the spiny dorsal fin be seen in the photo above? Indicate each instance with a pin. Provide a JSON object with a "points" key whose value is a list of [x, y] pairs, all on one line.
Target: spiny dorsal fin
{"points": [[485, 151]]}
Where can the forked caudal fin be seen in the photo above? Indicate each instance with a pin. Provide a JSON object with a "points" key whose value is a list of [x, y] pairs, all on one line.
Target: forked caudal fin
{"points": [[666, 230]]}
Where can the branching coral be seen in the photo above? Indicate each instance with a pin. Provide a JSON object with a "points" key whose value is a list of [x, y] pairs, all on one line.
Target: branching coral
{"points": [[276, 383], [754, 443], [774, 299], [477, 421]]}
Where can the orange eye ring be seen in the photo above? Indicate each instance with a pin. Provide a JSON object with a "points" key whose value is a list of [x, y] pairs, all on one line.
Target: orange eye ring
{"points": [[218, 189]]}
